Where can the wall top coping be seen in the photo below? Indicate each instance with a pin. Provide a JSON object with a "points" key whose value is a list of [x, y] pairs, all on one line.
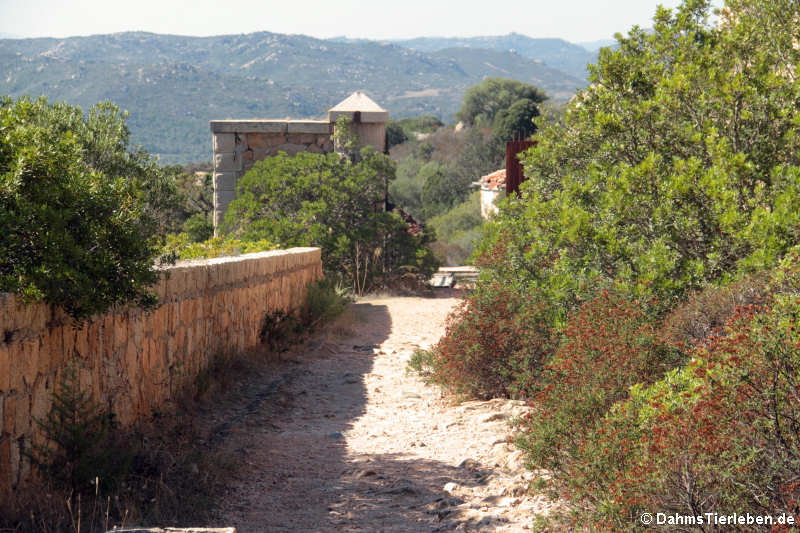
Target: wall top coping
{"points": [[230, 270], [239, 258], [270, 126], [367, 117]]}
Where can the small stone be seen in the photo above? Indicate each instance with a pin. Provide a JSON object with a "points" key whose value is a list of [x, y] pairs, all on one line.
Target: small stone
{"points": [[495, 417], [450, 487], [509, 502]]}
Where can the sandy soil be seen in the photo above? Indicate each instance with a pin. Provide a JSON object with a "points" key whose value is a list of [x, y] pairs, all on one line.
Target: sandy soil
{"points": [[339, 437]]}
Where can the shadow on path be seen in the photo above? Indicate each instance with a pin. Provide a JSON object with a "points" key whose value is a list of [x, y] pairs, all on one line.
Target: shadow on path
{"points": [[289, 428]]}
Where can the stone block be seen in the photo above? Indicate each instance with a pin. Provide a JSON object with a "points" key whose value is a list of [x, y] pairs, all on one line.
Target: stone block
{"points": [[227, 162], [22, 416], [309, 126], [82, 342], [247, 126], [9, 412], [224, 142], [13, 461], [291, 149], [5, 461], [301, 138], [120, 332], [225, 181], [41, 401], [30, 360], [314, 149], [5, 368], [160, 287], [256, 141], [261, 141], [222, 199], [108, 334], [95, 336], [260, 155]]}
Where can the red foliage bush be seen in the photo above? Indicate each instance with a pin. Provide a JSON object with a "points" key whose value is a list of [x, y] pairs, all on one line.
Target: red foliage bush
{"points": [[494, 345], [608, 346], [708, 310], [719, 435]]}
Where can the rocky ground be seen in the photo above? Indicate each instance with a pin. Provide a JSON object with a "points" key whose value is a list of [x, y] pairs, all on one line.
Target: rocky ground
{"points": [[339, 437]]}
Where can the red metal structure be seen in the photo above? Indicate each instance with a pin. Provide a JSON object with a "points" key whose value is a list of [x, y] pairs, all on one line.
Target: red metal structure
{"points": [[514, 175]]}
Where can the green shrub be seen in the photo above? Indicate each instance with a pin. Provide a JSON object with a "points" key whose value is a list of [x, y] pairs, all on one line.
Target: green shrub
{"points": [[199, 228], [80, 214], [330, 202], [323, 302], [182, 247], [719, 433], [82, 445], [676, 167], [457, 231]]}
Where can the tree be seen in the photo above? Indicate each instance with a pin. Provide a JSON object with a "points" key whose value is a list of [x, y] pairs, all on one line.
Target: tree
{"points": [[395, 134], [441, 189], [516, 122], [79, 212], [485, 100], [330, 202]]}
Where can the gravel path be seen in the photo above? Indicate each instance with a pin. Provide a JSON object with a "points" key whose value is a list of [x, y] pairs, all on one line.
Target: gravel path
{"points": [[340, 438]]}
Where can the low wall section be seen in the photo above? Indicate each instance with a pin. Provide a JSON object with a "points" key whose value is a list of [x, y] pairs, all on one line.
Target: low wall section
{"points": [[132, 360]]}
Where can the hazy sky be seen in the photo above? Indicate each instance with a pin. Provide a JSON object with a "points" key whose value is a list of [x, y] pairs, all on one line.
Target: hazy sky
{"points": [[574, 20]]}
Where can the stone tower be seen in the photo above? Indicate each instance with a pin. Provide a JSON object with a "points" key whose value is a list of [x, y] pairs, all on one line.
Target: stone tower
{"points": [[368, 119], [238, 144]]}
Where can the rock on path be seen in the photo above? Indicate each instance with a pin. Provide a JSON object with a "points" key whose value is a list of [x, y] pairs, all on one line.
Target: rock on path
{"points": [[345, 440]]}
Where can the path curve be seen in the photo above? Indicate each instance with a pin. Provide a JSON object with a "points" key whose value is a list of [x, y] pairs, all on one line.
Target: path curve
{"points": [[346, 440]]}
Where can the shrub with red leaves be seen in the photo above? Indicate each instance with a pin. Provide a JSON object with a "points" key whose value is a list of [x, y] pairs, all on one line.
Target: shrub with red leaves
{"points": [[719, 435], [494, 346], [608, 346]]}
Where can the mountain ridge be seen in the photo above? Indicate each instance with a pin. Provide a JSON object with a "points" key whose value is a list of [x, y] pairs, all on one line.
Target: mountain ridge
{"points": [[173, 85]]}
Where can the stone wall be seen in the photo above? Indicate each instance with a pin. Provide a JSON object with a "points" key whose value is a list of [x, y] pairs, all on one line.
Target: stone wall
{"points": [[133, 361], [238, 144]]}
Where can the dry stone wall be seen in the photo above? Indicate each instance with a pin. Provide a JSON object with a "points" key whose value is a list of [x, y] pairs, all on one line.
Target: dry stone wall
{"points": [[134, 361]]}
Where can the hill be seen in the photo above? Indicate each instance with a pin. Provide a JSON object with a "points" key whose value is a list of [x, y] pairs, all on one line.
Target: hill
{"points": [[555, 53], [173, 85]]}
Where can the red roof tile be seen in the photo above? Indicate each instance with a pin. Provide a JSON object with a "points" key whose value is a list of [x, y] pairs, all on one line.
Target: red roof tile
{"points": [[495, 180]]}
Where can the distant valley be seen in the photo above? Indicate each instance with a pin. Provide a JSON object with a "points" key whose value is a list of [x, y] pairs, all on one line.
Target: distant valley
{"points": [[173, 85]]}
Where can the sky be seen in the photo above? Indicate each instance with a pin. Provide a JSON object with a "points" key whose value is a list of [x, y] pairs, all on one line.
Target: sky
{"points": [[573, 20]]}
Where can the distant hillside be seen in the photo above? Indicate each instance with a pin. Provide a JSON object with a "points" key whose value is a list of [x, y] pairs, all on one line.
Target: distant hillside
{"points": [[480, 63], [173, 85], [555, 53], [594, 46]]}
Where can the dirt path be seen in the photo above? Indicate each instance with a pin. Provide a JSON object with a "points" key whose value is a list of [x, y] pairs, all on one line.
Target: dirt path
{"points": [[341, 438]]}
